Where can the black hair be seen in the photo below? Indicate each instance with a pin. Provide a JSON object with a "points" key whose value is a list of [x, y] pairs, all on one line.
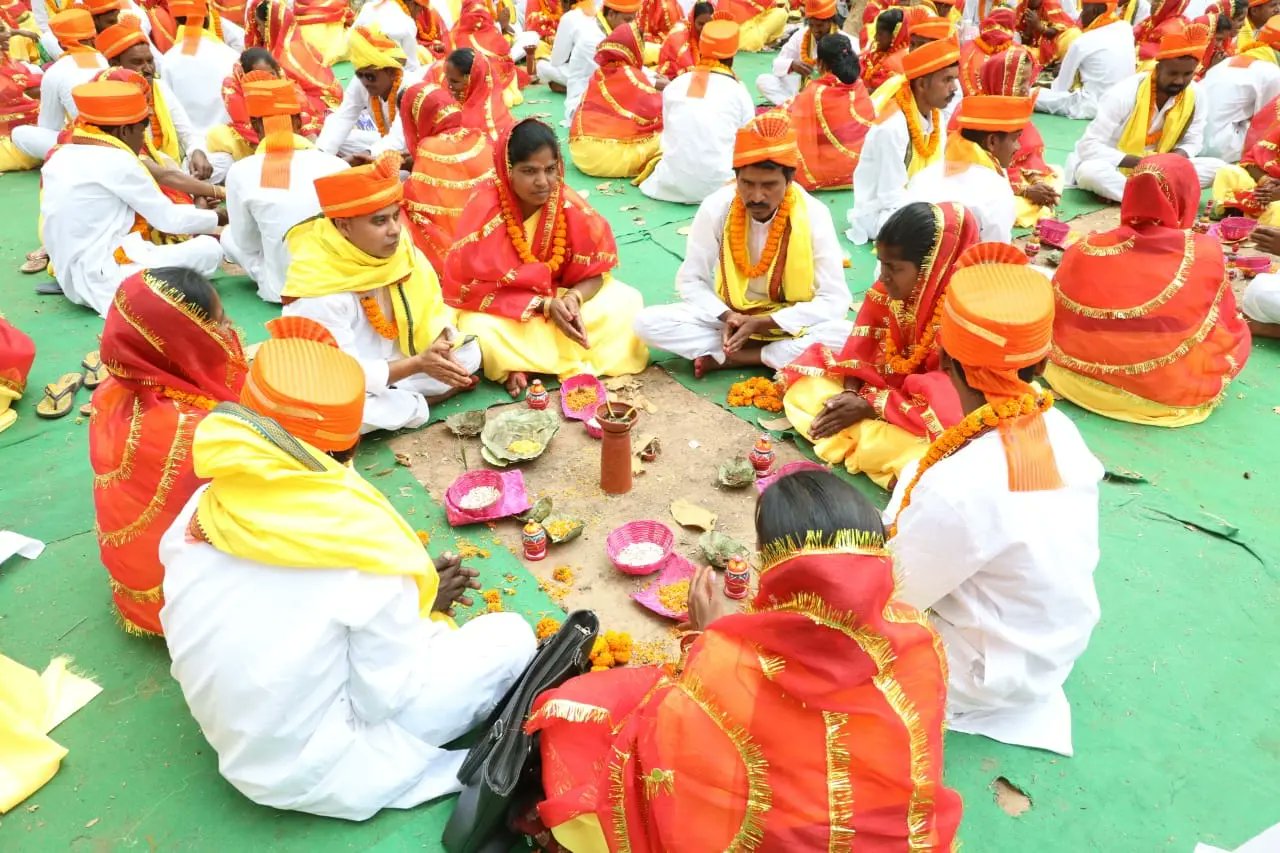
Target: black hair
{"points": [[977, 137], [1239, 7], [528, 138], [788, 172], [462, 59], [342, 457], [1224, 25], [886, 21], [813, 502], [262, 10], [912, 229], [837, 56], [255, 55], [193, 289], [702, 8]]}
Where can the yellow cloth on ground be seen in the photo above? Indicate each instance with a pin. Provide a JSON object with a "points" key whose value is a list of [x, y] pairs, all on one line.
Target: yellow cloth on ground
{"points": [[1028, 214], [872, 446], [13, 160], [1118, 404], [31, 705], [754, 34], [265, 505], [1232, 179], [322, 262], [1134, 139], [733, 287], [538, 346], [223, 140], [613, 158]]}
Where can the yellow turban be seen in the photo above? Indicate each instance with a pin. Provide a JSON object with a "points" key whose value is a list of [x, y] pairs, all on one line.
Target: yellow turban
{"points": [[369, 48]]}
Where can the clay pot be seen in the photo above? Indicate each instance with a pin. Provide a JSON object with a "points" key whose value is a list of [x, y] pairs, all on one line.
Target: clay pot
{"points": [[616, 419]]}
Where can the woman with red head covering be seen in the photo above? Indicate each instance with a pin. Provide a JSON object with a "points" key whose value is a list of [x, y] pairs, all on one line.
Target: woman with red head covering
{"points": [[679, 51], [995, 36], [831, 116], [323, 24], [171, 356], [1146, 35], [280, 33], [19, 107], [471, 76], [1046, 28], [618, 126], [1146, 328], [890, 42], [476, 30]]}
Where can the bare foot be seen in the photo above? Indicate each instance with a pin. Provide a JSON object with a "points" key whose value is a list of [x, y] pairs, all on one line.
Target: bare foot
{"points": [[704, 364], [516, 383], [557, 87], [1263, 330]]}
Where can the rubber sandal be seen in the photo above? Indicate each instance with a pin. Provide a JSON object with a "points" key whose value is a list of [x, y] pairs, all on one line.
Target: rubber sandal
{"points": [[59, 397], [49, 288], [94, 371], [39, 254], [86, 411], [34, 265]]}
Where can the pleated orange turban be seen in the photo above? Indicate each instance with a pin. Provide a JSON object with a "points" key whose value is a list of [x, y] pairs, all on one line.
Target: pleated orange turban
{"points": [[272, 96], [934, 29], [189, 9], [110, 103], [626, 7], [1179, 44], [362, 190], [1269, 34], [118, 38], [820, 9], [274, 100], [719, 40], [101, 7], [1253, 3], [768, 136], [995, 113], [72, 26], [932, 57], [301, 380]]}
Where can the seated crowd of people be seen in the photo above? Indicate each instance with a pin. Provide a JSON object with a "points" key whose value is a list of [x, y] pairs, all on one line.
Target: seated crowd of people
{"points": [[419, 237]]}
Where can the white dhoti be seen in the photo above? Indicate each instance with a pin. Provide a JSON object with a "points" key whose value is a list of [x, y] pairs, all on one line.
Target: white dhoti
{"points": [[1103, 179], [549, 73], [1261, 301], [777, 89], [1078, 104], [34, 141], [681, 330], [404, 404], [359, 141]]}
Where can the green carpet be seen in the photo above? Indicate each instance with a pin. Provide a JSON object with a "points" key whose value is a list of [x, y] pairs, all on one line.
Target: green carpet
{"points": [[1174, 702]]}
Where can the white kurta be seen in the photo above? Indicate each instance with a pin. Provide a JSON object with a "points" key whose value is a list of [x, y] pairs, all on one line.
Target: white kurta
{"points": [[1101, 58], [57, 107], [692, 328], [697, 138], [1234, 95], [1261, 300], [1094, 165], [386, 406], [556, 69], [985, 192], [349, 128], [781, 85], [1009, 579], [197, 81], [190, 139], [880, 177], [259, 217], [582, 65], [87, 208], [395, 25], [322, 690]]}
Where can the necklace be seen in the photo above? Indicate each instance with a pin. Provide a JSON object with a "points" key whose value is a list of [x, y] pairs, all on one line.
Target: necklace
{"points": [[926, 148], [772, 244], [373, 313], [917, 352]]}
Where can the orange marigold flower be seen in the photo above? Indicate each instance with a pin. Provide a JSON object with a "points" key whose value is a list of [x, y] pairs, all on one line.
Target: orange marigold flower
{"points": [[546, 627]]}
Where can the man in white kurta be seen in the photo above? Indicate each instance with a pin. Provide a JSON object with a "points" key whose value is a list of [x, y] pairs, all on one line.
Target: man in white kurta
{"points": [[702, 110], [999, 541], [1101, 159], [95, 189], [893, 152], [1100, 57], [1236, 89], [303, 618], [79, 64], [798, 57], [554, 71], [390, 19], [714, 324], [195, 67], [352, 130], [263, 206], [582, 55]]}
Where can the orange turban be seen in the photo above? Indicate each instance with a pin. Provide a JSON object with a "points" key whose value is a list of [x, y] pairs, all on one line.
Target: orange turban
{"points": [[820, 9], [110, 103], [273, 96], [626, 7], [1253, 3], [362, 190], [102, 7], [72, 26], [932, 57], [189, 9], [719, 40], [273, 100], [768, 136], [118, 38], [300, 379], [995, 113], [1179, 44], [934, 29], [1269, 33]]}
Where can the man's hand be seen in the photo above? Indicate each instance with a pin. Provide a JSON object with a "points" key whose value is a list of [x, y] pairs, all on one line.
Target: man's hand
{"points": [[1267, 239], [223, 217], [1184, 155], [199, 166], [1041, 195], [1129, 161], [455, 580], [839, 413], [660, 82], [707, 601], [739, 329], [360, 158], [566, 313], [1267, 191], [406, 162], [804, 69], [440, 364]]}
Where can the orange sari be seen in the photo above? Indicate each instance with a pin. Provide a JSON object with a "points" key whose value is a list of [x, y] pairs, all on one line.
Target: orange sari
{"points": [[168, 365], [657, 18], [878, 66], [814, 721], [450, 165], [831, 120], [615, 130], [996, 36], [1146, 328], [283, 37], [679, 51]]}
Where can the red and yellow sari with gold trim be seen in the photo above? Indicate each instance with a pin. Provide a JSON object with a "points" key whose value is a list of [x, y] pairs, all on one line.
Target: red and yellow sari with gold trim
{"points": [[233, 100], [878, 66], [679, 51], [996, 36], [476, 29], [1053, 45], [483, 105], [282, 35], [17, 108], [1013, 74], [616, 129], [831, 120], [1146, 328], [1146, 35], [811, 721], [451, 164], [169, 364]]}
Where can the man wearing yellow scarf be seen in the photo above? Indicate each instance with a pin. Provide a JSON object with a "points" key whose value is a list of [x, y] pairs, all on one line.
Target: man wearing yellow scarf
{"points": [[1098, 59], [355, 271], [297, 603], [366, 123], [972, 171], [747, 299], [1237, 89], [1159, 112]]}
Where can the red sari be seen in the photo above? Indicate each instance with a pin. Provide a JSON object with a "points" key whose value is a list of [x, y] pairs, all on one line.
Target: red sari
{"points": [[1045, 44], [619, 104], [912, 392], [1147, 308], [169, 365], [543, 17], [451, 164], [477, 30], [484, 271], [995, 36], [1146, 35], [831, 120], [679, 52], [282, 35], [878, 66], [17, 108], [233, 100], [657, 18], [813, 721]]}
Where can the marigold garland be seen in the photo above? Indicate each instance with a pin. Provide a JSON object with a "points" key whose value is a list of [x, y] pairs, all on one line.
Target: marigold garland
{"points": [[772, 244], [757, 391], [926, 148], [917, 352], [373, 313], [807, 55], [976, 424], [546, 627], [613, 648], [559, 234], [382, 115]]}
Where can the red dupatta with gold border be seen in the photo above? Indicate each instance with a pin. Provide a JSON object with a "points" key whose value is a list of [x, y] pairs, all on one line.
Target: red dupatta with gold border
{"points": [[282, 35], [831, 121], [619, 103], [1013, 73], [657, 18], [679, 51], [16, 107]]}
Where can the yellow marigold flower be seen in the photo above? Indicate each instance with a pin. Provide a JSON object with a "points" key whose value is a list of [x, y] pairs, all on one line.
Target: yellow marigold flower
{"points": [[424, 537], [563, 574], [546, 627]]}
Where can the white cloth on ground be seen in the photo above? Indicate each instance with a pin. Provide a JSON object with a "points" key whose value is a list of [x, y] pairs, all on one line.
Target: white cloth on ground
{"points": [[324, 691], [880, 178], [196, 80], [984, 191], [781, 85], [1101, 58], [1261, 300], [1009, 579], [1234, 95]]}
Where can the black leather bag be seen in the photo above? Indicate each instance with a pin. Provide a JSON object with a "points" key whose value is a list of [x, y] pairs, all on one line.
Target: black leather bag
{"points": [[504, 759]]}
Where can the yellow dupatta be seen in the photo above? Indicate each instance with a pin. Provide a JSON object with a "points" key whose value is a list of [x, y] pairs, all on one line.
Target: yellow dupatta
{"points": [[1136, 139], [171, 146], [323, 262], [278, 501], [961, 155], [1257, 53], [786, 286]]}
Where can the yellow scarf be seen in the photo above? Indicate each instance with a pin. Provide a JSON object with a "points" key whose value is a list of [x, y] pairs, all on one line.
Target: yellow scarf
{"points": [[962, 154], [170, 144], [1257, 53], [298, 509], [323, 262], [1136, 142], [797, 272], [1244, 41], [224, 140]]}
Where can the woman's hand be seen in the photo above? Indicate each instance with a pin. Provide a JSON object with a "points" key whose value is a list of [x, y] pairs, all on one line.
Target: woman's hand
{"points": [[566, 313], [839, 413], [455, 581], [439, 363], [199, 166], [707, 601]]}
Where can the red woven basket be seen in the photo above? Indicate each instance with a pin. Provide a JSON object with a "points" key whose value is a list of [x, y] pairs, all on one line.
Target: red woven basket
{"points": [[1053, 232], [635, 532], [1233, 229], [474, 480]]}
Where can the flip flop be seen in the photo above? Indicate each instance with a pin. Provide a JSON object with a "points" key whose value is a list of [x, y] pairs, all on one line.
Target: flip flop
{"points": [[86, 411], [36, 262], [59, 396], [94, 371], [49, 288]]}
